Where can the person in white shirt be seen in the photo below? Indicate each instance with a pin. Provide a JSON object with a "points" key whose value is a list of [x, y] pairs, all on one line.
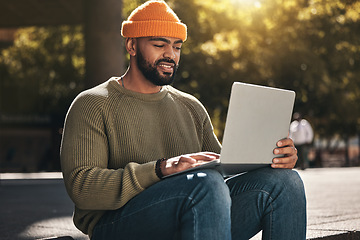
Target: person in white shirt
{"points": [[302, 134]]}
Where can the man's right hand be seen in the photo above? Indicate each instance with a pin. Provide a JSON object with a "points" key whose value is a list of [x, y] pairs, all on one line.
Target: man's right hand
{"points": [[183, 162]]}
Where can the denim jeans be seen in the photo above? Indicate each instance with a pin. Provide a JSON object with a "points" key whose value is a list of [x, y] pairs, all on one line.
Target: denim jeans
{"points": [[201, 205]]}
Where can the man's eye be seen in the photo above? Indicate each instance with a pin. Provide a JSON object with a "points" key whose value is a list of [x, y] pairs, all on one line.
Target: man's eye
{"points": [[159, 46], [177, 48]]}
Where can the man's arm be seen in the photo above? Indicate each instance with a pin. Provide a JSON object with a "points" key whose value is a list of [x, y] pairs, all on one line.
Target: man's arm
{"points": [[85, 159], [183, 162]]}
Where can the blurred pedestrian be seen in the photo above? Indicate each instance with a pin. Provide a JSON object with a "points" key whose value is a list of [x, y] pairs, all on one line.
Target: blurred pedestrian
{"points": [[302, 134]]}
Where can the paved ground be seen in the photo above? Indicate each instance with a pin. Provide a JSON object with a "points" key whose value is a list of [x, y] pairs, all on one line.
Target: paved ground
{"points": [[333, 202], [36, 206], [33, 208]]}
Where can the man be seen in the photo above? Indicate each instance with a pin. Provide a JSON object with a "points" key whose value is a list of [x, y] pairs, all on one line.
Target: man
{"points": [[302, 134], [122, 137]]}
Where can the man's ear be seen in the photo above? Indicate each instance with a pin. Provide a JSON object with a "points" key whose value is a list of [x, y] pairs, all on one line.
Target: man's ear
{"points": [[130, 45]]}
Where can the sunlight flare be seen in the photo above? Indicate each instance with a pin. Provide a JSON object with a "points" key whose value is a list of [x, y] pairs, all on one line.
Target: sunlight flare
{"points": [[247, 3]]}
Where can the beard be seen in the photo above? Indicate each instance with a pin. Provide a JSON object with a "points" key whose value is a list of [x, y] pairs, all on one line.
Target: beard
{"points": [[151, 73]]}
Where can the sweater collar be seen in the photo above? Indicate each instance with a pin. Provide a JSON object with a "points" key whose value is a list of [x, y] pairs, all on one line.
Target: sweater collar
{"points": [[141, 96]]}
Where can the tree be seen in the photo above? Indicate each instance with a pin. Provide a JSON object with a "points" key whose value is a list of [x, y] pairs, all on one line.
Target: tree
{"points": [[321, 58], [309, 46], [43, 71]]}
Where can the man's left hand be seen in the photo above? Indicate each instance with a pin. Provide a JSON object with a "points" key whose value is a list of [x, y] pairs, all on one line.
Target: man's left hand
{"points": [[287, 148]]}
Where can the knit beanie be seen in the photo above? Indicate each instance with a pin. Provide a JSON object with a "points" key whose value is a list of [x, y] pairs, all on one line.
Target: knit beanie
{"points": [[154, 19]]}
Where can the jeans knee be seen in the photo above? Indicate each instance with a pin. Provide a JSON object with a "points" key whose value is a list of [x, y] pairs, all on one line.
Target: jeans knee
{"points": [[210, 184], [277, 182], [291, 188], [294, 183]]}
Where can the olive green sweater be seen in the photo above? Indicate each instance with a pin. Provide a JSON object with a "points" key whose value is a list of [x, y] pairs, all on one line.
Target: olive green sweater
{"points": [[113, 137]]}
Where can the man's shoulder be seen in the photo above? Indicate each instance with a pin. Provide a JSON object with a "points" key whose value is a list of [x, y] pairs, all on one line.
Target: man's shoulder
{"points": [[96, 96], [188, 100], [100, 92], [183, 96]]}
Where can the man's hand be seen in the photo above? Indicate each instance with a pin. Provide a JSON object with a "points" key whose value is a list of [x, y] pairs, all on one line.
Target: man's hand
{"points": [[287, 148], [183, 162]]}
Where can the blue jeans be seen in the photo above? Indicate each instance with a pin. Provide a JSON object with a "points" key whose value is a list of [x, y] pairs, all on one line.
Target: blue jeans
{"points": [[201, 205]]}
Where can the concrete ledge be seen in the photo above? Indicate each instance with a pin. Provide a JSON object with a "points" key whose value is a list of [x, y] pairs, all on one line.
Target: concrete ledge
{"points": [[58, 238], [27, 176], [345, 236], [36, 206]]}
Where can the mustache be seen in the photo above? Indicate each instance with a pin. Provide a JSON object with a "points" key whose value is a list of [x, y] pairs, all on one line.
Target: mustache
{"points": [[165, 60]]}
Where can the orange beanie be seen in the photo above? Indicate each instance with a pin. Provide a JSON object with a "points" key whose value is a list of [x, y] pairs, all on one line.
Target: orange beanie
{"points": [[153, 19]]}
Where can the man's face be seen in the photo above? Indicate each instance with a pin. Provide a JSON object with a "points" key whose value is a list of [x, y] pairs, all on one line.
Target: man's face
{"points": [[157, 58]]}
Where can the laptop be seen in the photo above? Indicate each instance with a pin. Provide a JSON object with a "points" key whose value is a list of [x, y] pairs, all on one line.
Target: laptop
{"points": [[257, 118]]}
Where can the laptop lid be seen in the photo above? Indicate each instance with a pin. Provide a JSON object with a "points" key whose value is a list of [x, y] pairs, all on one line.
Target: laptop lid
{"points": [[257, 118]]}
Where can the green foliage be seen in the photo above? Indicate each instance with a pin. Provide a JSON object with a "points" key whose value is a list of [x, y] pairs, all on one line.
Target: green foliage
{"points": [[43, 71], [310, 46]]}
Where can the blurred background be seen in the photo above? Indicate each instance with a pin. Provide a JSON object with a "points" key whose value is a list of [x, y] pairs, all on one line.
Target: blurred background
{"points": [[51, 50]]}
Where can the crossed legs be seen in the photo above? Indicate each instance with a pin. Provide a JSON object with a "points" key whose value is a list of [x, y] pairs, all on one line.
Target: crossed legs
{"points": [[201, 205]]}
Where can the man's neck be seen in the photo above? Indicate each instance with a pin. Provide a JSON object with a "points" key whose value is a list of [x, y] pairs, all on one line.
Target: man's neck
{"points": [[136, 82]]}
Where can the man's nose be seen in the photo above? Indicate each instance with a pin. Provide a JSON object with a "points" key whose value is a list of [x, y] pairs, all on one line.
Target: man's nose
{"points": [[169, 52]]}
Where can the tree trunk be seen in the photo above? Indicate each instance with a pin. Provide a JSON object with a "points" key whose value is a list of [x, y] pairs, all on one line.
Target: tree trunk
{"points": [[103, 41]]}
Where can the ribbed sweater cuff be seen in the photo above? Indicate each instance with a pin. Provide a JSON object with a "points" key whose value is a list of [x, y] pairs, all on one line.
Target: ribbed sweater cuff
{"points": [[145, 174]]}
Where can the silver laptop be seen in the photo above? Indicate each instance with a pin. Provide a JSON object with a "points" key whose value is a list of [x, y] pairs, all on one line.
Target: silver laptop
{"points": [[257, 118]]}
